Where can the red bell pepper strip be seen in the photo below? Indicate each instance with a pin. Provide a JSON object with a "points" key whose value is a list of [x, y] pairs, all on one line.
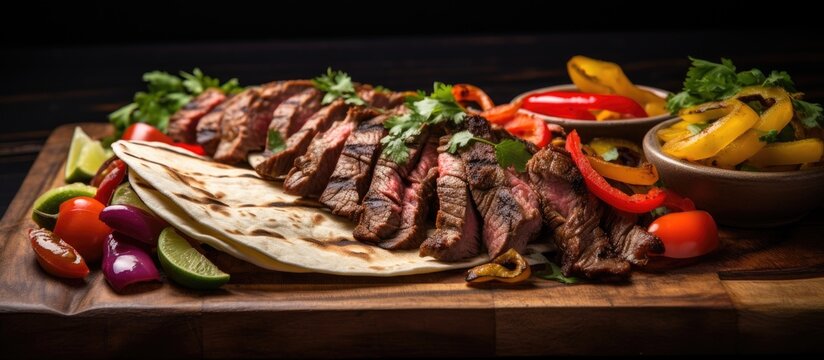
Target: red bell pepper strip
{"points": [[576, 105], [638, 203], [676, 202], [145, 132], [115, 174], [529, 128]]}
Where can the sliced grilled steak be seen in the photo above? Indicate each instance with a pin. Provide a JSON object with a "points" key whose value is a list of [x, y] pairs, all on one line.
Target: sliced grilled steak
{"points": [[290, 116], [380, 99], [415, 202], [629, 240], [507, 204], [208, 129], [183, 123], [312, 170], [277, 164], [245, 130], [457, 234], [573, 214], [353, 172], [382, 204]]}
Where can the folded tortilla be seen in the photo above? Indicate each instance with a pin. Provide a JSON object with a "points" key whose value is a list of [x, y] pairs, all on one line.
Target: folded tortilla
{"points": [[235, 211]]}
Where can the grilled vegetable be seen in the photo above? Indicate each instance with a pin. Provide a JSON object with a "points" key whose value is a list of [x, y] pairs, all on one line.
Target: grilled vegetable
{"points": [[509, 267]]}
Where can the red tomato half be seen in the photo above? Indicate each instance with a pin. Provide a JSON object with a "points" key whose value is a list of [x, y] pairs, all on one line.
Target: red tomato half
{"points": [[686, 234], [78, 224], [530, 129], [146, 132]]}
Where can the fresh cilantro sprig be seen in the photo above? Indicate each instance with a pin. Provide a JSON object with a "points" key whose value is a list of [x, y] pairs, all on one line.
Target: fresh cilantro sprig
{"points": [[709, 81], [337, 85], [166, 94], [507, 152], [440, 106], [275, 142], [553, 272]]}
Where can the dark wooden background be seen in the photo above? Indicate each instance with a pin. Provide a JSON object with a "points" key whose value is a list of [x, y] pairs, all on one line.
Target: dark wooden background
{"points": [[91, 63]]}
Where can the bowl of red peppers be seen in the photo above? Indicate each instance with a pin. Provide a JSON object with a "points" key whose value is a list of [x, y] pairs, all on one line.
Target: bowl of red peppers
{"points": [[601, 102]]}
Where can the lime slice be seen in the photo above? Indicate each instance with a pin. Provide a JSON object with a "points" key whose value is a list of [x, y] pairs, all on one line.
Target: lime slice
{"points": [[185, 265], [124, 194], [46, 206], [85, 157]]}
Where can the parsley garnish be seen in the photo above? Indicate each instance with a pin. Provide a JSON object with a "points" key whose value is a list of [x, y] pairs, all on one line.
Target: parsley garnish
{"points": [[337, 85], [275, 142], [769, 137], [708, 81], [553, 272], [696, 128], [507, 152], [440, 106], [166, 94]]}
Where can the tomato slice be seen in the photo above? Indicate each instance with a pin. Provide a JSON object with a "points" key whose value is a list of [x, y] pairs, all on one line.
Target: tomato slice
{"points": [[110, 181], [78, 224], [530, 129], [686, 234], [56, 256], [145, 132]]}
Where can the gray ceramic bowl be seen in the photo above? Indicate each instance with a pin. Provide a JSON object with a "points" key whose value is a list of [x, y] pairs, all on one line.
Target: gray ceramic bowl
{"points": [[739, 198], [631, 129]]}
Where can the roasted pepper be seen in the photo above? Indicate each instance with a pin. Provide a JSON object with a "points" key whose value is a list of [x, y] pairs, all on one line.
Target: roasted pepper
{"points": [[776, 117], [738, 119], [789, 153], [465, 93], [643, 174], [638, 203], [602, 77], [576, 105], [509, 267]]}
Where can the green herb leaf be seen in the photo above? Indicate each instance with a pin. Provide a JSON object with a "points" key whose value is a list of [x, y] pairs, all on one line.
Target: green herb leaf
{"points": [[751, 77], [808, 113], [611, 154], [512, 153], [459, 140], [553, 272], [659, 211], [769, 137], [440, 106], [337, 85], [697, 127], [780, 79], [275, 142]]}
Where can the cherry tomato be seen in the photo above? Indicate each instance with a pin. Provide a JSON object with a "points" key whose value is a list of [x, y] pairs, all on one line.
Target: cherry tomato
{"points": [[110, 181], [146, 132], [56, 256], [686, 234], [530, 129], [79, 225]]}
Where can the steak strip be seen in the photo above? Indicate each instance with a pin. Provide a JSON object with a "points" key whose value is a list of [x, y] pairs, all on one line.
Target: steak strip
{"points": [[183, 124]]}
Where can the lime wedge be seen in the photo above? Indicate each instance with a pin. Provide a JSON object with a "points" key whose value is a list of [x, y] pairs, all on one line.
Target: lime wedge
{"points": [[185, 265], [46, 206], [124, 194], [85, 157]]}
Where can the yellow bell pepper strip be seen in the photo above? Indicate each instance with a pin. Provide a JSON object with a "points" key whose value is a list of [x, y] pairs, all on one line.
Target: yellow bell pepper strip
{"points": [[789, 153], [602, 77], [637, 204], [670, 133], [703, 113], [719, 134], [776, 117], [643, 174]]}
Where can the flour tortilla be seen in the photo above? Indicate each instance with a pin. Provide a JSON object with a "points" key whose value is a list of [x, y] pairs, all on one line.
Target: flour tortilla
{"points": [[253, 219]]}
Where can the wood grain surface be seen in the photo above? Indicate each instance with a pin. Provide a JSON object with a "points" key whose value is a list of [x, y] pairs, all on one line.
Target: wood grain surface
{"points": [[676, 307]]}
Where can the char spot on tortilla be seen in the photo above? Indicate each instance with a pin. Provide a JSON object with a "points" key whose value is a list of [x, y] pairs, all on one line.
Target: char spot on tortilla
{"points": [[220, 194], [375, 267], [317, 219], [264, 232], [145, 185], [234, 231], [204, 200], [219, 210], [340, 246]]}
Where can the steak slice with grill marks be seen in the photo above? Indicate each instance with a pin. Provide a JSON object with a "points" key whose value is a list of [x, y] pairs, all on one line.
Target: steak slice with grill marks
{"points": [[312, 170], [380, 217], [629, 240], [457, 234], [353, 173], [415, 201], [574, 216], [246, 130], [183, 124], [511, 217], [207, 131], [279, 163], [379, 98]]}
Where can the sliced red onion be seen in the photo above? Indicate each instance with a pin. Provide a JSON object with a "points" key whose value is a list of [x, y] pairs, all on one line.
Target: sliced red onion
{"points": [[125, 264], [133, 222]]}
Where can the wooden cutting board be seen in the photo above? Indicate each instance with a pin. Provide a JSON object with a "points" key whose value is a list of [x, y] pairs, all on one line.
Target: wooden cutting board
{"points": [[763, 291]]}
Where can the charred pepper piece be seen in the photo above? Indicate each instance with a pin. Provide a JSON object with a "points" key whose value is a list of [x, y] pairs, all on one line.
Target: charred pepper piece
{"points": [[509, 267]]}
